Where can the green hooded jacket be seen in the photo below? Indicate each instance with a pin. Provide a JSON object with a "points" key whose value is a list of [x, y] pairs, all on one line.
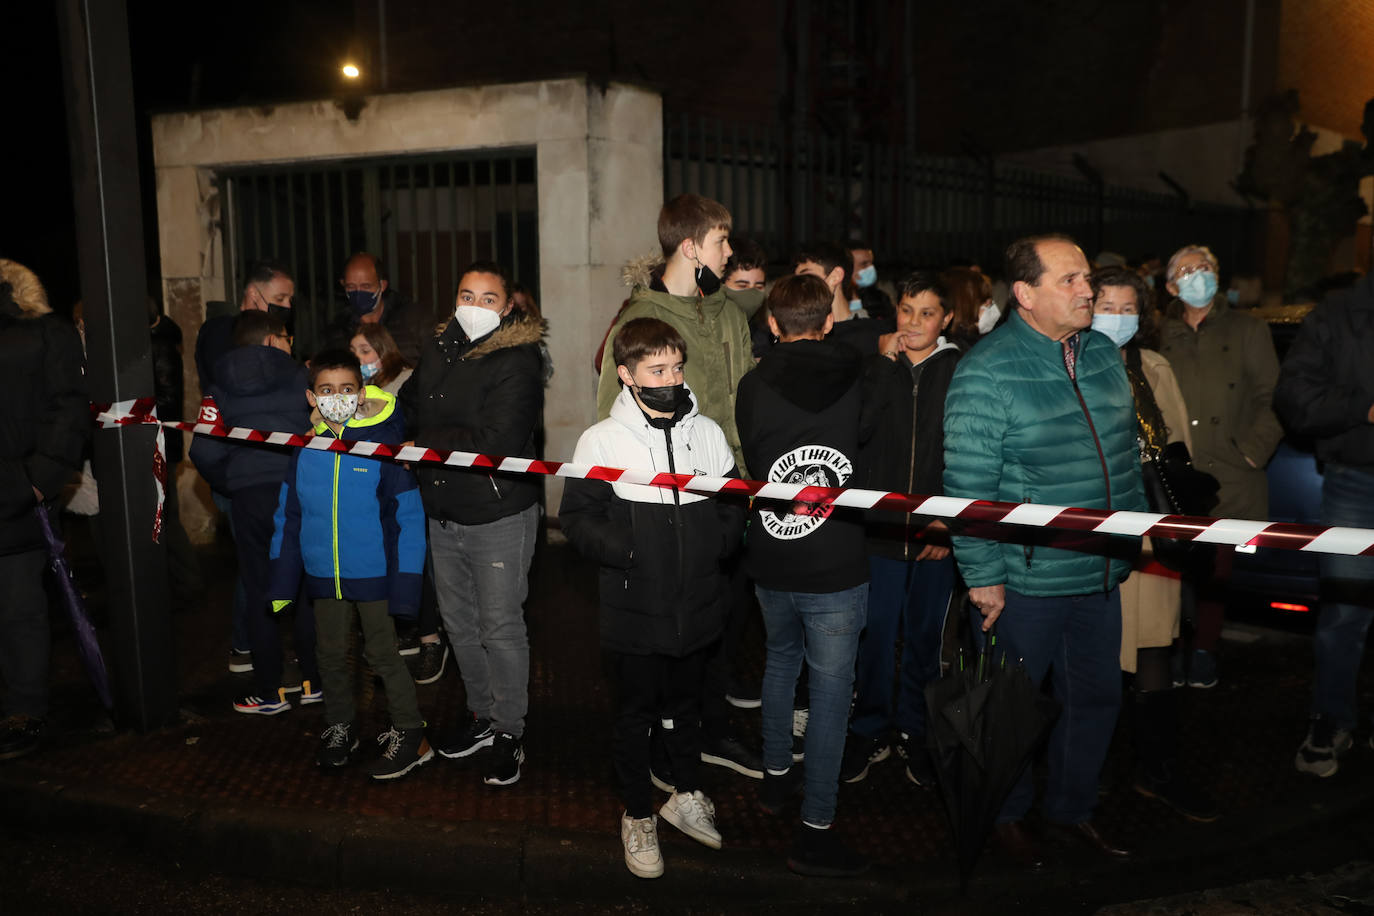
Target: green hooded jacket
{"points": [[719, 351]]}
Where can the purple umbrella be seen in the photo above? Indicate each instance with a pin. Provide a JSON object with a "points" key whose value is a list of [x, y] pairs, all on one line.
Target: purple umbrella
{"points": [[86, 642]]}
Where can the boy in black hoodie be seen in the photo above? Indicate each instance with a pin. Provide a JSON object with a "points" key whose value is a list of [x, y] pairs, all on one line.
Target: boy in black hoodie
{"points": [[911, 573], [799, 419]]}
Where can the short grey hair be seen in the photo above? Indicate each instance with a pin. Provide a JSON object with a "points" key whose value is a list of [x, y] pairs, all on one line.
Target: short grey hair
{"points": [[1187, 250]]}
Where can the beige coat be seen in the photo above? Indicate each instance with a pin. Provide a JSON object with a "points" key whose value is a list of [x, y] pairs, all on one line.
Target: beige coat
{"points": [[1150, 601]]}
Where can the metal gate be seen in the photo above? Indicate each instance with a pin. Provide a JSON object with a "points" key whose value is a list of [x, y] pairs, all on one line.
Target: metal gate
{"points": [[426, 217]]}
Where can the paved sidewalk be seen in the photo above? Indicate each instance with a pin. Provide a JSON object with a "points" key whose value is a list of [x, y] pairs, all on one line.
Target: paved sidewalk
{"points": [[242, 795]]}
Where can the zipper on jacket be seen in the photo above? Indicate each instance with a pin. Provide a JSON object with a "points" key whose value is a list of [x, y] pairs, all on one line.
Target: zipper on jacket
{"points": [[1106, 475], [911, 474], [677, 527], [338, 585]]}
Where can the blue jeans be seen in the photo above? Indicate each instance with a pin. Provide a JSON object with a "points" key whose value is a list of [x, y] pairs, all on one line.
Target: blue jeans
{"points": [[1078, 639], [481, 578], [824, 630], [1347, 600], [910, 600]]}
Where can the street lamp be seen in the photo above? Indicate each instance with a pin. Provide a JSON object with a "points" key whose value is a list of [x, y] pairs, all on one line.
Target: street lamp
{"points": [[351, 71]]}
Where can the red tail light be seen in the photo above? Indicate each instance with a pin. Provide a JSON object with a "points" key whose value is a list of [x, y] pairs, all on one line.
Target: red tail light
{"points": [[1284, 606]]}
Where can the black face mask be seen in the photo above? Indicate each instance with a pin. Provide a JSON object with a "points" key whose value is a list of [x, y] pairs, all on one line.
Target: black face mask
{"points": [[707, 281], [287, 316], [664, 400]]}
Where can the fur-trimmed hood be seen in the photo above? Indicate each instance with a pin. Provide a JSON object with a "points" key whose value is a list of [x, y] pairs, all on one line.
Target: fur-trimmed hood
{"points": [[642, 271], [20, 286], [515, 331]]}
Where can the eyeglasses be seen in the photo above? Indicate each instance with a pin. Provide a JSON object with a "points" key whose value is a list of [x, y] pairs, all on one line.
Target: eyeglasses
{"points": [[1189, 271]]}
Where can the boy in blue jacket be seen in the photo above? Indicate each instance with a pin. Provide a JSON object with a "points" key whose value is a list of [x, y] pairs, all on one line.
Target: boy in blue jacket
{"points": [[355, 526]]}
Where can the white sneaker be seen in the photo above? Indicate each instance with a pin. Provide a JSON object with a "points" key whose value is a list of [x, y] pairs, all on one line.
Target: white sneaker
{"points": [[693, 814], [640, 838], [1321, 752]]}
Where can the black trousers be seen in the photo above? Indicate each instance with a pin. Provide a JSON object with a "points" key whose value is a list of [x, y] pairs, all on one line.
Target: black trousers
{"points": [[664, 691]]}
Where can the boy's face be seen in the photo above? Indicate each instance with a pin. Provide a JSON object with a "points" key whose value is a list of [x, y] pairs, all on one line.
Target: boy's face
{"points": [[657, 370], [920, 319], [752, 278], [711, 252], [334, 381]]}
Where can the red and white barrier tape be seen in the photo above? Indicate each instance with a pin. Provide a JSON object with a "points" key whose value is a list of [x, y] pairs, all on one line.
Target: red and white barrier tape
{"points": [[1232, 531]]}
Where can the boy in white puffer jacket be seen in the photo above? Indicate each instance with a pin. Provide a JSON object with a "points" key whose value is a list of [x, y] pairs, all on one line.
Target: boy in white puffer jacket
{"points": [[662, 590]]}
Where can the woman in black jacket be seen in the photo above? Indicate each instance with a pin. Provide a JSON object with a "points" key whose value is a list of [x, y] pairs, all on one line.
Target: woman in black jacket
{"points": [[479, 388]]}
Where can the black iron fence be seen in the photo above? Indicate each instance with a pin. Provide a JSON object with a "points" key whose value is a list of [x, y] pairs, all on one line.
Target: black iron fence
{"points": [[426, 216], [923, 210]]}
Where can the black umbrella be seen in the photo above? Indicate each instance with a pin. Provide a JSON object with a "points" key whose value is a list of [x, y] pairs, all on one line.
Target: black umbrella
{"points": [[986, 717], [86, 642]]}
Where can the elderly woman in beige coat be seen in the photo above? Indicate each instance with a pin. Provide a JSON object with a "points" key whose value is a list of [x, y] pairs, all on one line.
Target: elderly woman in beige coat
{"points": [[1150, 596]]}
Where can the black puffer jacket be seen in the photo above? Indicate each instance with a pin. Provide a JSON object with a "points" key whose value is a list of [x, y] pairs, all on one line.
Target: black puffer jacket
{"points": [[907, 451], [1326, 383], [481, 396], [45, 417], [410, 324]]}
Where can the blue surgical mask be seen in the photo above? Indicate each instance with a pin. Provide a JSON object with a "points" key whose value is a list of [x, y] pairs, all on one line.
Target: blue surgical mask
{"points": [[361, 301], [1198, 289], [866, 277], [1233, 296], [1120, 328], [371, 369], [855, 304]]}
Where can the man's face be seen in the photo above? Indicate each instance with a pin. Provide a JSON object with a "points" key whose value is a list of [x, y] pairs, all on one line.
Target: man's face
{"points": [[361, 276], [831, 279], [1062, 301], [1190, 263], [752, 278], [277, 291], [485, 291], [712, 252], [920, 320], [657, 370]]}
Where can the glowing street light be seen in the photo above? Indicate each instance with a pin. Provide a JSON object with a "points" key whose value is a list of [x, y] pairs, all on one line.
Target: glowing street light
{"points": [[351, 71]]}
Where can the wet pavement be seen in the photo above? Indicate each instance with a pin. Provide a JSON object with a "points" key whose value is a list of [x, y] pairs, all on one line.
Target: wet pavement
{"points": [[240, 794]]}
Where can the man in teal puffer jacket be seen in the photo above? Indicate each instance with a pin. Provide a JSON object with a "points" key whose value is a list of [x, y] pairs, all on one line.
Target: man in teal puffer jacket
{"points": [[1041, 412]]}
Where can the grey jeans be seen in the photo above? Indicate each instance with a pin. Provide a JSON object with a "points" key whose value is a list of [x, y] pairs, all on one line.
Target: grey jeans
{"points": [[481, 577]]}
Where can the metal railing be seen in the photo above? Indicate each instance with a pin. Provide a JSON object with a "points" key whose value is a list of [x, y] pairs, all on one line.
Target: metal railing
{"points": [[427, 217], [785, 188]]}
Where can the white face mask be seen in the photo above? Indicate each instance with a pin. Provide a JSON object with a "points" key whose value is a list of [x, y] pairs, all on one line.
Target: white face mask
{"points": [[476, 321], [337, 408], [987, 317]]}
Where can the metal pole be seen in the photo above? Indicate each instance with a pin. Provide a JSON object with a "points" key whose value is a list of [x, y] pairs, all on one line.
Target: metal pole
{"points": [[99, 93]]}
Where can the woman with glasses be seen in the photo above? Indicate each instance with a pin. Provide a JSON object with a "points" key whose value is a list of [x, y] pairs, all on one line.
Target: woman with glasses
{"points": [[1226, 367]]}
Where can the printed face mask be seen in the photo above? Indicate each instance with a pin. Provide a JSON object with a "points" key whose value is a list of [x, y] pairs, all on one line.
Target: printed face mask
{"points": [[337, 408], [1120, 328], [370, 369], [476, 321], [1197, 289]]}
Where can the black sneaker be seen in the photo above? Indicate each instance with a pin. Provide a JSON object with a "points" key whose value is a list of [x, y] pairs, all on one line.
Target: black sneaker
{"points": [[744, 696], [859, 754], [919, 769], [408, 641], [503, 762], [19, 736], [240, 660], [428, 665], [403, 749], [733, 754], [800, 718], [777, 792], [337, 744], [821, 854], [467, 741]]}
